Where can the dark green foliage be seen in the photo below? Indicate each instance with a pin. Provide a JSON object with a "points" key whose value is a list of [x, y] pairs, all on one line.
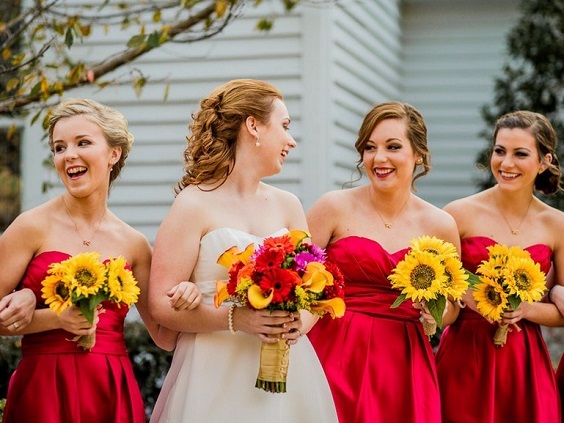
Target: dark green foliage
{"points": [[533, 78], [150, 363]]}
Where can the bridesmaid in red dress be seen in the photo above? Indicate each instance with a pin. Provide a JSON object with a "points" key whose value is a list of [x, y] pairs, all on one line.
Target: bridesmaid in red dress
{"points": [[56, 381], [378, 361], [516, 382]]}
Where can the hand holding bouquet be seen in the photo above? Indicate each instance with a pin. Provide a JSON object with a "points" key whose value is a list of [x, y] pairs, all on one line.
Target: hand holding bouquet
{"points": [[85, 281], [284, 273], [507, 278], [430, 273]]}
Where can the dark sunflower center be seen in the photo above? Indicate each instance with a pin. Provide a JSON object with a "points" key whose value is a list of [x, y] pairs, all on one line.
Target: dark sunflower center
{"points": [[493, 296], [422, 276], [449, 279], [84, 277], [522, 280], [62, 291]]}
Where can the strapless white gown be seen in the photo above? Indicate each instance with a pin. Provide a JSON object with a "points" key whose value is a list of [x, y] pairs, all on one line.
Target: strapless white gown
{"points": [[212, 376]]}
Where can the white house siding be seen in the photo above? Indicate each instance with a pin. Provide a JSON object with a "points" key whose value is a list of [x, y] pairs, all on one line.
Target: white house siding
{"points": [[452, 52], [332, 63]]}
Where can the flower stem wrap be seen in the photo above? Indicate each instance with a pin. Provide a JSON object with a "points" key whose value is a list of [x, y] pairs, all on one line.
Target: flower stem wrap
{"points": [[430, 328], [86, 342], [500, 337], [274, 360]]}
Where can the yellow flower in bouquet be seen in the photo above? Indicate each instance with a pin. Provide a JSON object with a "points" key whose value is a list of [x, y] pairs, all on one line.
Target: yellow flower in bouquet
{"points": [[85, 281], [508, 277], [430, 273], [284, 273]]}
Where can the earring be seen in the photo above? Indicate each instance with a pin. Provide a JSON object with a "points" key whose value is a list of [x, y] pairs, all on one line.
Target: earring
{"points": [[257, 143], [419, 161]]}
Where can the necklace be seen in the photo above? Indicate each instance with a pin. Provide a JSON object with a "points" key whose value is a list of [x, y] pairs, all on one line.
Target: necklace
{"points": [[514, 231], [389, 223], [85, 241]]}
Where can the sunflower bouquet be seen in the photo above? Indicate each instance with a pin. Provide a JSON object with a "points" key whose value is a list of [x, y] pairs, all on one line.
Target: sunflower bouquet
{"points": [[85, 281], [430, 273], [508, 277], [284, 273]]}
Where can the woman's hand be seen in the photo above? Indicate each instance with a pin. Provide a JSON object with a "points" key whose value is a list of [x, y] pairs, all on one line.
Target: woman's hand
{"points": [[263, 323], [185, 296], [72, 320], [512, 317], [16, 309]]}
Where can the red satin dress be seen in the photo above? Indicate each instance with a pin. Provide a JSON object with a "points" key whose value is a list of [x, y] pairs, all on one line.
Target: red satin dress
{"points": [[378, 361], [482, 383], [58, 382]]}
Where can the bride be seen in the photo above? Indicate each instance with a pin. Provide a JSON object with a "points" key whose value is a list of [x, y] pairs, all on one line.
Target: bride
{"points": [[239, 136]]}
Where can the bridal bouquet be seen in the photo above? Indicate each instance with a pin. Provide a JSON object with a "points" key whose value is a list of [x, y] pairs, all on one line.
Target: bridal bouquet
{"points": [[86, 281], [284, 273], [430, 273], [508, 277]]}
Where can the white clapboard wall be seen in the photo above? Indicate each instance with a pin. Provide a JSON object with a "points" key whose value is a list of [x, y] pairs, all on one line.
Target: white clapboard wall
{"points": [[333, 63]]}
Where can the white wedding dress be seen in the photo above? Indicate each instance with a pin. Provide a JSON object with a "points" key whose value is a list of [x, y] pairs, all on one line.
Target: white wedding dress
{"points": [[212, 376]]}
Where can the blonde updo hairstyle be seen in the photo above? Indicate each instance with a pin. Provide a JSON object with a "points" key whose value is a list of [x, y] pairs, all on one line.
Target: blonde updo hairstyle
{"points": [[212, 144], [416, 131], [112, 123], [549, 181]]}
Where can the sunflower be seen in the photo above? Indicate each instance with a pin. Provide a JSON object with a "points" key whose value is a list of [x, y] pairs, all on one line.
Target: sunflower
{"points": [[56, 293], [525, 279], [435, 246], [85, 274], [122, 285], [419, 276], [490, 298], [456, 282], [494, 267]]}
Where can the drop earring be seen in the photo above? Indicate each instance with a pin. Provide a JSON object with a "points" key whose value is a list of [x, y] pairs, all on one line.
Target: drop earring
{"points": [[257, 143]]}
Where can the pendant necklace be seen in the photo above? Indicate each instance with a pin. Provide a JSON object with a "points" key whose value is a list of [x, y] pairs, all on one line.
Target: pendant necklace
{"points": [[389, 223], [514, 231], [85, 241]]}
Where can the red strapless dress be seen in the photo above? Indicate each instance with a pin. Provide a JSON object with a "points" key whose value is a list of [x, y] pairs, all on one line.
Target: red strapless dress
{"points": [[58, 382], [378, 361], [482, 383]]}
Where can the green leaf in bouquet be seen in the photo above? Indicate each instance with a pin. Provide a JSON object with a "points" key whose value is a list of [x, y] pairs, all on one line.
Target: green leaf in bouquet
{"points": [[399, 300], [473, 279], [436, 308], [514, 301], [88, 305]]}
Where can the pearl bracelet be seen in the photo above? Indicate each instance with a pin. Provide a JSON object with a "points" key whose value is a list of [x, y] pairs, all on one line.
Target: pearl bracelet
{"points": [[230, 319]]}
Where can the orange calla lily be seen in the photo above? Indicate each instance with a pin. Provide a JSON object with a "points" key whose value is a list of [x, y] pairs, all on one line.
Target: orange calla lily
{"points": [[221, 293], [316, 277], [298, 236], [335, 306], [257, 298], [233, 255]]}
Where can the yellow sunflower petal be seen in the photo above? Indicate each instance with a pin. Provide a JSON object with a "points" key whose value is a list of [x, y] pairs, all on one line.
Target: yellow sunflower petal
{"points": [[456, 283], [525, 279], [435, 246], [490, 298]]}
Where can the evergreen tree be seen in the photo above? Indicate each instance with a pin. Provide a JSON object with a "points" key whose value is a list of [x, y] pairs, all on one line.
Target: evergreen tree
{"points": [[533, 78]]}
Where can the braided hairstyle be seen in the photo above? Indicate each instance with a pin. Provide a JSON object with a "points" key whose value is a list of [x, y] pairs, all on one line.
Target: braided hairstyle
{"points": [[212, 144]]}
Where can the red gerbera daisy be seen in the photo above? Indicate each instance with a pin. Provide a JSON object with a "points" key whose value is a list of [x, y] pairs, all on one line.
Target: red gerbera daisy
{"points": [[273, 257], [283, 243], [280, 281]]}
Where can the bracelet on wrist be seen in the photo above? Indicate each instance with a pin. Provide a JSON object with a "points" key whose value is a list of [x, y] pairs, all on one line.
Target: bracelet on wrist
{"points": [[550, 294], [230, 319]]}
